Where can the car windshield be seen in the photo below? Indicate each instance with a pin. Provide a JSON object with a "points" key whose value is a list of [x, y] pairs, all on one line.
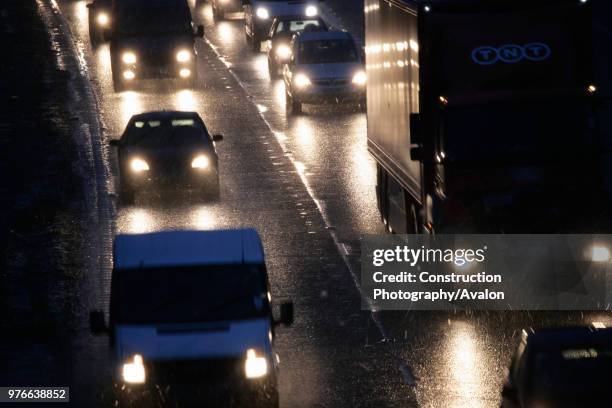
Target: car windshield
{"points": [[327, 52], [572, 371], [153, 20], [294, 26], [160, 133], [190, 294]]}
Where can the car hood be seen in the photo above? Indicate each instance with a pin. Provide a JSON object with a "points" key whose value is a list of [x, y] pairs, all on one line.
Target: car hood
{"points": [[324, 71], [185, 341], [297, 7]]}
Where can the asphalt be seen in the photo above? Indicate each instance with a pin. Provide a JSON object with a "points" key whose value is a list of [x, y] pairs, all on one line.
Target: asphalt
{"points": [[307, 185]]}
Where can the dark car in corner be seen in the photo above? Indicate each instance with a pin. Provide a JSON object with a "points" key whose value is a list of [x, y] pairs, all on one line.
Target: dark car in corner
{"points": [[279, 38], [561, 368], [153, 39], [167, 150]]}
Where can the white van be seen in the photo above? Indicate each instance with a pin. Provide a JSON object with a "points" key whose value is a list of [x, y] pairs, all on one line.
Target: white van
{"points": [[191, 313], [259, 14]]}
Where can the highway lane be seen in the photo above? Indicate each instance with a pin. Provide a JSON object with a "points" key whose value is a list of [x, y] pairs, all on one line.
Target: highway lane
{"points": [[307, 184]]}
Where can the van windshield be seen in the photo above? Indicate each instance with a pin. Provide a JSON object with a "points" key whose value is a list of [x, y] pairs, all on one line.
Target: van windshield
{"points": [[153, 21], [189, 294]]}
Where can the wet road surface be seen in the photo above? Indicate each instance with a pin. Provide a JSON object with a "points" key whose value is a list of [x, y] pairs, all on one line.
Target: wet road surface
{"points": [[307, 184]]}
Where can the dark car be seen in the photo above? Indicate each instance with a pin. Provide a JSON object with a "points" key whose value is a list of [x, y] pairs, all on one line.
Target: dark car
{"points": [[167, 150], [221, 7], [153, 39], [279, 38], [561, 368], [99, 16]]}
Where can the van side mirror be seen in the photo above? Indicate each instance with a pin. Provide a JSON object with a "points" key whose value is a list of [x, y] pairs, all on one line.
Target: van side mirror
{"points": [[286, 314], [97, 323], [217, 138], [114, 142], [107, 33], [199, 31]]}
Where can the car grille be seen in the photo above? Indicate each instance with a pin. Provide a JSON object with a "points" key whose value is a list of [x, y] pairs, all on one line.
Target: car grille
{"points": [[332, 82], [194, 371]]}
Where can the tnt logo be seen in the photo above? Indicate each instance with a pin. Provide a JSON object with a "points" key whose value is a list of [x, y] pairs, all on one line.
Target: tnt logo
{"points": [[511, 53]]}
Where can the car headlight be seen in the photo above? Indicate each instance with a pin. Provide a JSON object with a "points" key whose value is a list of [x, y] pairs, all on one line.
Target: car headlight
{"points": [[360, 78], [183, 56], [128, 58], [254, 366], [311, 11], [134, 372], [301, 81], [139, 165], [262, 13], [283, 52], [102, 19], [200, 162]]}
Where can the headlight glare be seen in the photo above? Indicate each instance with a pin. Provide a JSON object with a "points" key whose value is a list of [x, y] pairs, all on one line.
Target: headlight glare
{"points": [[311, 11], [254, 366], [183, 56], [134, 372], [139, 165], [102, 19], [128, 57], [200, 162], [360, 78], [262, 13], [302, 81], [283, 52]]}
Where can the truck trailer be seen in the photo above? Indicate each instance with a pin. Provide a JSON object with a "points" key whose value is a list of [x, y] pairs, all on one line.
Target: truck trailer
{"points": [[486, 116]]}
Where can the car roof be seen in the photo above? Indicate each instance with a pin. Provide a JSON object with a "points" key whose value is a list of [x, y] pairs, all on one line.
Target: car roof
{"points": [[187, 248], [563, 338], [165, 115], [323, 35]]}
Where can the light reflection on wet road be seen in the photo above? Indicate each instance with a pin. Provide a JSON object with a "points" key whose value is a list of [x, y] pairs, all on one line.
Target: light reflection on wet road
{"points": [[278, 174]]}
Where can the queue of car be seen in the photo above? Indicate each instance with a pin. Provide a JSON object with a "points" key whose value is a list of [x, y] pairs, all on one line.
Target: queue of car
{"points": [[191, 311]]}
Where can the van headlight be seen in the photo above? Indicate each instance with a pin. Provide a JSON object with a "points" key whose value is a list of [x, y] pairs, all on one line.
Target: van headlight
{"points": [[200, 162], [302, 81], [360, 78], [262, 13], [255, 366], [102, 19], [183, 56], [134, 372], [139, 165], [311, 11], [128, 58]]}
